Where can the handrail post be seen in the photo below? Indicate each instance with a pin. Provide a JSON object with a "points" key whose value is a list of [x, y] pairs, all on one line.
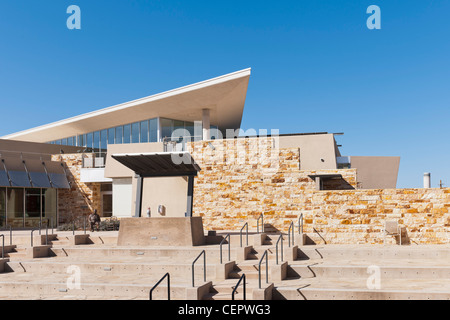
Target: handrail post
{"points": [[3, 245], [32, 230], [276, 247], [262, 223], [240, 233], [267, 269], [46, 234], [229, 248], [157, 284], [291, 227], [204, 267], [300, 224], [243, 277]]}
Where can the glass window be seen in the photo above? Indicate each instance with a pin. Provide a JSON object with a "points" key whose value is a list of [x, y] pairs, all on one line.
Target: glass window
{"points": [[96, 145], [58, 142], [127, 133], [189, 126], [144, 131], [111, 135], [166, 128], [32, 203], [64, 142], [106, 187], [2, 207], [153, 131], [104, 139], [119, 135], [135, 132], [81, 140], [89, 140], [32, 207], [14, 210]]}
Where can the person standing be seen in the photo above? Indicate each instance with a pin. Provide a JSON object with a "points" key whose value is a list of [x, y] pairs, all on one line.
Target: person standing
{"points": [[94, 219]]}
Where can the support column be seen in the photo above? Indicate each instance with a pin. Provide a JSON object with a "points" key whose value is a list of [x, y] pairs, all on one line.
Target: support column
{"points": [[190, 196], [318, 183], [206, 124], [139, 191]]}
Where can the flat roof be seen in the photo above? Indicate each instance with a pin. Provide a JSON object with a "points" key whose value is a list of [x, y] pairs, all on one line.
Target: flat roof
{"points": [[224, 96]]}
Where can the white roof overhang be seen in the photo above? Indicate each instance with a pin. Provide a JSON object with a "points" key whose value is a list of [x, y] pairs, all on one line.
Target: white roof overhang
{"points": [[224, 96]]}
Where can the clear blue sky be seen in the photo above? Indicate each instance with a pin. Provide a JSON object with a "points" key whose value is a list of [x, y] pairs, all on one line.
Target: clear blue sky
{"points": [[315, 67]]}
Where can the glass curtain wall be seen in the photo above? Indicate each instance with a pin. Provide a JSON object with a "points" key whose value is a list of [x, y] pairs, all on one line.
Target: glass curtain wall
{"points": [[27, 207], [138, 132], [2, 207]]}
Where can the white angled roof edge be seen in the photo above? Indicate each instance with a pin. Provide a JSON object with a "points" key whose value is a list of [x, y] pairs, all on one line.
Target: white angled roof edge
{"points": [[155, 97]]}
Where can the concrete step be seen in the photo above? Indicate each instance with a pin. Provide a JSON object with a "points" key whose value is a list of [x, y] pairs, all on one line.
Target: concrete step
{"points": [[358, 289], [374, 252], [224, 290], [178, 270], [364, 271], [27, 284]]}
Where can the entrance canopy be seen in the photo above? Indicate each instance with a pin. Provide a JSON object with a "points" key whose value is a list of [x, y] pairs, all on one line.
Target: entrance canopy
{"points": [[165, 164]]}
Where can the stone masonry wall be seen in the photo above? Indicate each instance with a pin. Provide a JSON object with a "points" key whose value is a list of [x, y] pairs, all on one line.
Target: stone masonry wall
{"points": [[82, 198], [243, 178]]}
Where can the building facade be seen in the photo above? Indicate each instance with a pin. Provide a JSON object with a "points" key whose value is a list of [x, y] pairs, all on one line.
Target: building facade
{"points": [[284, 177]]}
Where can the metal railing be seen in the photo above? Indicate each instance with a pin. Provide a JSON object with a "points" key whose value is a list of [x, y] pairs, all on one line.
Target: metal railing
{"points": [[33, 230], [291, 230], [10, 232], [261, 217], [237, 286], [267, 268], [280, 240], [3, 245], [204, 267], [300, 224], [229, 248], [240, 233], [167, 275], [97, 160]]}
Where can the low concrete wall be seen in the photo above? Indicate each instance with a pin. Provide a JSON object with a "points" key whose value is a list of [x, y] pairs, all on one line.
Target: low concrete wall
{"points": [[161, 232]]}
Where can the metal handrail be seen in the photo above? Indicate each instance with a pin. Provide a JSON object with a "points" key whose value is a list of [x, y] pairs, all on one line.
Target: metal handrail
{"points": [[300, 224], [33, 230], [10, 232], [243, 277], [267, 269], [3, 245], [158, 283], [204, 266], [229, 249], [276, 247], [262, 223], [245, 226], [291, 228]]}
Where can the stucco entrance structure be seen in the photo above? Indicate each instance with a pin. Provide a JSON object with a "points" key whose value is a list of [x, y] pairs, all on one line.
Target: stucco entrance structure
{"points": [[181, 230]]}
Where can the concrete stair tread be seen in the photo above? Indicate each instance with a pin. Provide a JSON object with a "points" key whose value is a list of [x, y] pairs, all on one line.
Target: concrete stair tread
{"points": [[342, 284]]}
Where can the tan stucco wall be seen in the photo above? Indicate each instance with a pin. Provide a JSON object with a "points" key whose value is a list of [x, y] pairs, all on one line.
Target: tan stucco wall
{"points": [[376, 172], [318, 151]]}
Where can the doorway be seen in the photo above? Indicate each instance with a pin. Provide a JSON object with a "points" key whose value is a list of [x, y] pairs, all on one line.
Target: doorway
{"points": [[107, 200]]}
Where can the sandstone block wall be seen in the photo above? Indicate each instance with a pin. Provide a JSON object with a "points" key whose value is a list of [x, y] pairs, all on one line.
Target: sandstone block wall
{"points": [[244, 178], [82, 198]]}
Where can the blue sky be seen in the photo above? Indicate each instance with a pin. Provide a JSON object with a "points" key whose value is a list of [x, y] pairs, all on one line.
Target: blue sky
{"points": [[315, 67]]}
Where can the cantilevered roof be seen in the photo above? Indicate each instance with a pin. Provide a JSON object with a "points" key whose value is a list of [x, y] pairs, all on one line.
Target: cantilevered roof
{"points": [[164, 164], [224, 96]]}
